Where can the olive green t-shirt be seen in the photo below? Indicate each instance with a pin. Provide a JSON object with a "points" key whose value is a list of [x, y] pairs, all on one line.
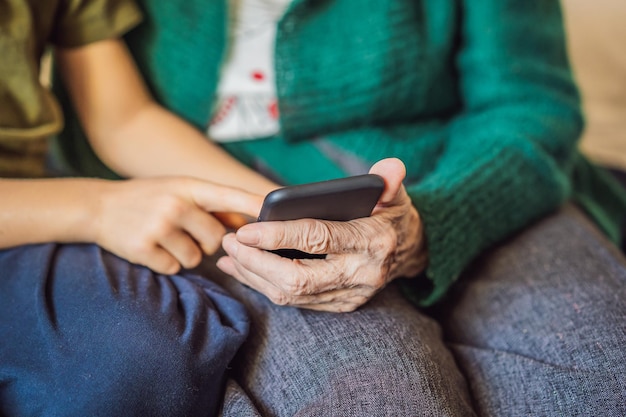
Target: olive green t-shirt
{"points": [[28, 111]]}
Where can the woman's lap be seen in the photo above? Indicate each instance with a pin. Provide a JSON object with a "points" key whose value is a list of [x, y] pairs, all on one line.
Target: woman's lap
{"points": [[385, 359], [538, 324], [85, 333], [535, 328]]}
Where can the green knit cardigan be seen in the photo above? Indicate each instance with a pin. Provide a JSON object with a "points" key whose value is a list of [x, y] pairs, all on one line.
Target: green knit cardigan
{"points": [[475, 96]]}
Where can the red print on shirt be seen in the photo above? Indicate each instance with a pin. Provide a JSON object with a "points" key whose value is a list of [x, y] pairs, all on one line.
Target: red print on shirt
{"points": [[273, 109], [224, 110], [258, 75]]}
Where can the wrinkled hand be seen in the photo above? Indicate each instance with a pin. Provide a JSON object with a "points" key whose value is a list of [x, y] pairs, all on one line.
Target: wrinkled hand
{"points": [[166, 223], [363, 255]]}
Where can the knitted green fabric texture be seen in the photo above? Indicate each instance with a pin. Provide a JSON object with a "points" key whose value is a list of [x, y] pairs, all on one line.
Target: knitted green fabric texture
{"points": [[475, 96]]}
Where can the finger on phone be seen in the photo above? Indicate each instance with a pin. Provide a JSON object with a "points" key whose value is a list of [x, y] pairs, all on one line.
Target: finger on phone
{"points": [[306, 235], [217, 198]]}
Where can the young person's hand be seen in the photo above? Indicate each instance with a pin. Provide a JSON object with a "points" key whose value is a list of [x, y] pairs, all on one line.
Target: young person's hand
{"points": [[167, 223], [363, 255]]}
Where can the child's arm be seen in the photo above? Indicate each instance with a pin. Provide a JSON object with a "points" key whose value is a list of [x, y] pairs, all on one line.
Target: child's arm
{"points": [[163, 223], [131, 133]]}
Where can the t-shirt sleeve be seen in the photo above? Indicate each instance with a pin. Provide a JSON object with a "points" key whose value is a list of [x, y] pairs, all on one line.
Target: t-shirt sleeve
{"points": [[84, 21]]}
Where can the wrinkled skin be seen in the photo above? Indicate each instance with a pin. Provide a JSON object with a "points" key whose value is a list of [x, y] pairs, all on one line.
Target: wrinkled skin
{"points": [[363, 255]]}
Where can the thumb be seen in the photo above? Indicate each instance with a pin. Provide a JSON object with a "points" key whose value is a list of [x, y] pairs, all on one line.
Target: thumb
{"points": [[393, 171]]}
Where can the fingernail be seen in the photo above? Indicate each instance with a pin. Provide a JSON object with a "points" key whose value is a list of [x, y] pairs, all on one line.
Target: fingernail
{"points": [[221, 262], [249, 235], [230, 246]]}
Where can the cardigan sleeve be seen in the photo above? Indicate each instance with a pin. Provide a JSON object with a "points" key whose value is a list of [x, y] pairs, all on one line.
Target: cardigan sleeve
{"points": [[504, 159]]}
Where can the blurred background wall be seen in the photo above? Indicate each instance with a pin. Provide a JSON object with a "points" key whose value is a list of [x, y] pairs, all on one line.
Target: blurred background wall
{"points": [[597, 45]]}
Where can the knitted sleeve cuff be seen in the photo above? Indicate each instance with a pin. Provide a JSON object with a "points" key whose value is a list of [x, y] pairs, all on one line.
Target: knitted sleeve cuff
{"points": [[471, 203]]}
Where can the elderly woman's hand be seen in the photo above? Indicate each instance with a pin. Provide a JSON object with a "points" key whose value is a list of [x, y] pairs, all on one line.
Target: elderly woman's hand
{"points": [[363, 255]]}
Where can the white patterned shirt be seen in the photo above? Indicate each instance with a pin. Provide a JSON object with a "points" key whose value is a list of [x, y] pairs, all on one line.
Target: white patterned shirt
{"points": [[246, 95]]}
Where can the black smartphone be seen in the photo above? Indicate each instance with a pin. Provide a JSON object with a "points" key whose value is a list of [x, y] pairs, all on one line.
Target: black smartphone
{"points": [[338, 200]]}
